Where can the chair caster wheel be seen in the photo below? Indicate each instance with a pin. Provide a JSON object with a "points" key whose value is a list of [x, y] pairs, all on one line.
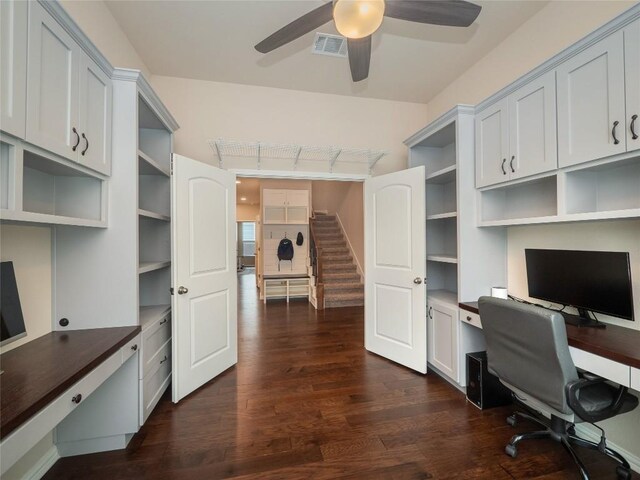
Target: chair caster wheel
{"points": [[512, 420], [623, 473], [511, 450]]}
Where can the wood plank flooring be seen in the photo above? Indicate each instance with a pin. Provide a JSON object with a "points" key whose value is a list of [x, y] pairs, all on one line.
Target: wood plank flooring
{"points": [[306, 401]]}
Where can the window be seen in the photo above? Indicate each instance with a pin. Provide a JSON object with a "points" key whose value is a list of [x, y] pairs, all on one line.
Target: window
{"points": [[247, 238]]}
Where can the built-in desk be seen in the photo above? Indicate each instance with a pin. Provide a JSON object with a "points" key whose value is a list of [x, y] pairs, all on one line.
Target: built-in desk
{"points": [[49, 383], [612, 352]]}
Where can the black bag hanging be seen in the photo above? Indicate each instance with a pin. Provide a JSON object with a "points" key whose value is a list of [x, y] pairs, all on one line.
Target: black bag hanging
{"points": [[285, 251], [299, 239]]}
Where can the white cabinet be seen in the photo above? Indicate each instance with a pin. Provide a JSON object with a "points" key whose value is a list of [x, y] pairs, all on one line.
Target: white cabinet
{"points": [[285, 206], [632, 82], [13, 66], [68, 96], [442, 331], [516, 136], [591, 103], [635, 379], [492, 144]]}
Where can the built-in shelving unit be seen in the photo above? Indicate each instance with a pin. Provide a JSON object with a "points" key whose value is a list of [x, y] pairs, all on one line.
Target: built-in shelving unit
{"points": [[151, 313]]}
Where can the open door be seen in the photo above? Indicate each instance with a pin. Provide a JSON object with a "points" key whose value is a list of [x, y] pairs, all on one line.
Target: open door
{"points": [[205, 333], [395, 268]]}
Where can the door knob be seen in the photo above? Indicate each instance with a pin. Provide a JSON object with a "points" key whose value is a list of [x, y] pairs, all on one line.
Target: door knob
{"points": [[417, 280], [182, 290]]}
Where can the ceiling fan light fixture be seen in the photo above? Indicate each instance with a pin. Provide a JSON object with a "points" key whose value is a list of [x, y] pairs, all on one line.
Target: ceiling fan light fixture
{"points": [[358, 18]]}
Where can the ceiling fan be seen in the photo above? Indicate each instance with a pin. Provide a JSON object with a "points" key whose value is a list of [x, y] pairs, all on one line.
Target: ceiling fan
{"points": [[357, 20]]}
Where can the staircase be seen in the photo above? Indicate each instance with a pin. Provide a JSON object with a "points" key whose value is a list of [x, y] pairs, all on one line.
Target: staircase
{"points": [[342, 284]]}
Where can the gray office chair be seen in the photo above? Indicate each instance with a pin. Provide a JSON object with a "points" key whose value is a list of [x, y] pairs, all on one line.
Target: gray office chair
{"points": [[527, 350]]}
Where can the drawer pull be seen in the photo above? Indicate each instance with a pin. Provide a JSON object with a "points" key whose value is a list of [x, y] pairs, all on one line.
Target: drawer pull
{"points": [[163, 360], [163, 321], [613, 133], [134, 347], [468, 318], [77, 398]]}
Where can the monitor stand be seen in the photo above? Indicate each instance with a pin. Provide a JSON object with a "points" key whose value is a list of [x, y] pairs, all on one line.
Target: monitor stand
{"points": [[582, 320]]}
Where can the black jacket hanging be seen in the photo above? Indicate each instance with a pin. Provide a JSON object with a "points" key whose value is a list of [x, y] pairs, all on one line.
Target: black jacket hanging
{"points": [[299, 239]]}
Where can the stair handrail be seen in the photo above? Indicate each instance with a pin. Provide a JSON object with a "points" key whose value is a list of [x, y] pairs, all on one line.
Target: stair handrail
{"points": [[316, 264]]}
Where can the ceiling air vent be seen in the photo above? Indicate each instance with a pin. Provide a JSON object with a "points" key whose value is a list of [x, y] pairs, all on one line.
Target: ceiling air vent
{"points": [[332, 45]]}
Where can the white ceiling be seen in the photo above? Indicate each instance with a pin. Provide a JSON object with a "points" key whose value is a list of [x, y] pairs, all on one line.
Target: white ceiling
{"points": [[213, 40]]}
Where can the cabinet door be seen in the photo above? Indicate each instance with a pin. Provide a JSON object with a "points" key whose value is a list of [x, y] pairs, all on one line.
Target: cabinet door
{"points": [[52, 85], [632, 72], [591, 103], [443, 335], [13, 66], [95, 93], [274, 198], [297, 198], [532, 128], [492, 144]]}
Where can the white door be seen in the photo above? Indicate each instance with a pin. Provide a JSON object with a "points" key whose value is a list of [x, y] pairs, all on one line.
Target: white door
{"points": [[492, 144], [395, 267], [632, 71], [443, 339], [204, 323], [591, 103], [52, 85], [95, 96], [532, 128], [13, 66]]}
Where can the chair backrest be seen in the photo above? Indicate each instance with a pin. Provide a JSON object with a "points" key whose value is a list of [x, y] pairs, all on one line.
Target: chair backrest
{"points": [[527, 348]]}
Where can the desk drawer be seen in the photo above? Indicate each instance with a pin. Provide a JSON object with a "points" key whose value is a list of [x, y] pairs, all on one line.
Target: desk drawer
{"points": [[470, 318], [614, 371], [154, 337], [31, 432], [155, 382], [635, 379]]}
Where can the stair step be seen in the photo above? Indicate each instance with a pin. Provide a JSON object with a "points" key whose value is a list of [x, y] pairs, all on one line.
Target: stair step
{"points": [[344, 287], [336, 260], [335, 250], [324, 218], [342, 267], [332, 242], [347, 299]]}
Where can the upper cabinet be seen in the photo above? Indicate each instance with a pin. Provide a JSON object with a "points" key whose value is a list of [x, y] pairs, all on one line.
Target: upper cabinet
{"points": [[68, 96], [13, 66], [516, 136], [632, 76], [285, 206], [591, 103]]}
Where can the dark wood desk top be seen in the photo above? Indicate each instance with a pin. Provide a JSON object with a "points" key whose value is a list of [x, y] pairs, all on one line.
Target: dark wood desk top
{"points": [[39, 371], [615, 343]]}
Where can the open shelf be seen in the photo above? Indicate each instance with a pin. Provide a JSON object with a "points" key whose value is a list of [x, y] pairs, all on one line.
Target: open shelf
{"points": [[442, 257], [437, 153], [153, 287], [150, 313], [154, 240], [442, 216], [154, 215], [443, 296], [53, 190], [442, 276], [154, 194], [146, 267], [30, 217], [441, 198], [446, 175], [603, 188], [148, 166], [523, 201]]}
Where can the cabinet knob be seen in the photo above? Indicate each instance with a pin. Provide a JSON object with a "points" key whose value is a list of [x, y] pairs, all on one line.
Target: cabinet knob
{"points": [[77, 398], [163, 360], [134, 347], [182, 290], [468, 318]]}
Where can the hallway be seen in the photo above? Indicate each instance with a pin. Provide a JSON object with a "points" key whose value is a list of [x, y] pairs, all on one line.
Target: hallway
{"points": [[307, 401]]}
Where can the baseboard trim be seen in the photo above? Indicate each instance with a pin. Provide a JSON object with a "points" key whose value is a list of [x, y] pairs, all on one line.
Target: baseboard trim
{"points": [[43, 465], [353, 254], [590, 434]]}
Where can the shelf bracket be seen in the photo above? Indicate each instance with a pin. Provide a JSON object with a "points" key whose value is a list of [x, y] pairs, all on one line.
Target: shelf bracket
{"points": [[375, 160], [220, 164], [295, 162], [334, 159], [259, 166]]}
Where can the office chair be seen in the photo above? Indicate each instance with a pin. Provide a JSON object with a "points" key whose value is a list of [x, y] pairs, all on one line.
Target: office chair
{"points": [[527, 350]]}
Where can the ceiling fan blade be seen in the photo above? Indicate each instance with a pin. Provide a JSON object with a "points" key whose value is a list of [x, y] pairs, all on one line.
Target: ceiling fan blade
{"points": [[453, 13], [305, 24], [359, 57]]}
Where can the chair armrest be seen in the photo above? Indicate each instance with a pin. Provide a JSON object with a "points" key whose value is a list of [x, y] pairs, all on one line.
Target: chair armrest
{"points": [[572, 390]]}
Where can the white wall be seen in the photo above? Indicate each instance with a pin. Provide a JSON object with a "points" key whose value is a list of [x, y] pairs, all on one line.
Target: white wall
{"points": [[247, 213], [208, 110], [29, 248], [551, 30]]}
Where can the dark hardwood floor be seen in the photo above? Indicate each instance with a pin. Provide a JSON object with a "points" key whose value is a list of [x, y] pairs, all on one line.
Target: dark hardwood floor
{"points": [[307, 401]]}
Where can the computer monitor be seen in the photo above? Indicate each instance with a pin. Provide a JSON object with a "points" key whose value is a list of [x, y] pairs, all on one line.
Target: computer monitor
{"points": [[587, 280], [11, 320]]}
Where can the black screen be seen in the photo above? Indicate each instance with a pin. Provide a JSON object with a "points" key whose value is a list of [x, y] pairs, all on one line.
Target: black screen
{"points": [[595, 281], [11, 320]]}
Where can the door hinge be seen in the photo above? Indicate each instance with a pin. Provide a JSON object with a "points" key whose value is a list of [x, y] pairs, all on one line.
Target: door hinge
{"points": [[171, 165]]}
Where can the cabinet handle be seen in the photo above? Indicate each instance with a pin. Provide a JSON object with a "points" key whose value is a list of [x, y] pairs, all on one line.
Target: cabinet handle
{"points": [[134, 347], [77, 398], [504, 172], [468, 318], [511, 164], [431, 313], [163, 360], [634, 135], [77, 139], [613, 133], [87, 147], [163, 321]]}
